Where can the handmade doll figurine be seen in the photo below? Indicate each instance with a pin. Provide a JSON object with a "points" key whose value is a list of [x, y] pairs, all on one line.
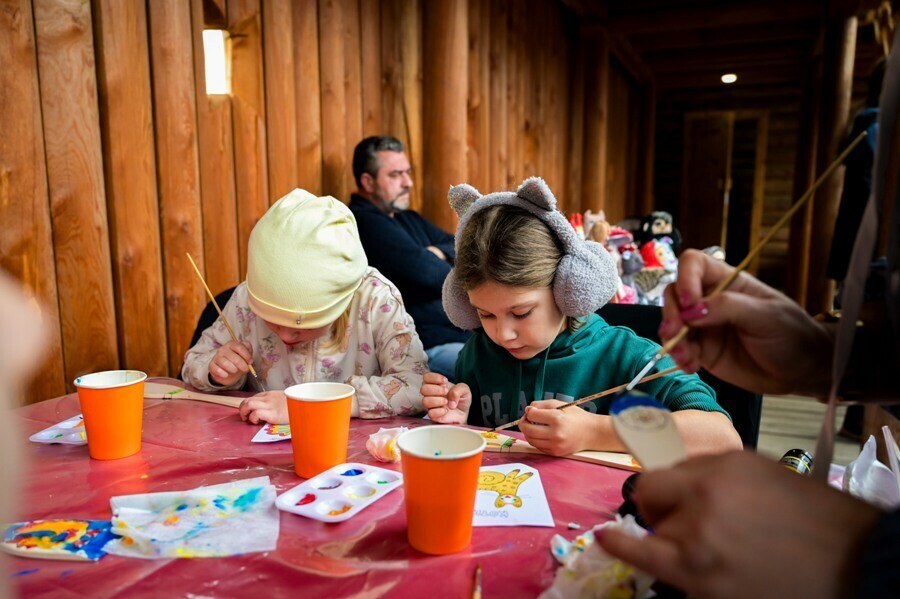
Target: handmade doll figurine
{"points": [[658, 226], [660, 267], [577, 223], [591, 219]]}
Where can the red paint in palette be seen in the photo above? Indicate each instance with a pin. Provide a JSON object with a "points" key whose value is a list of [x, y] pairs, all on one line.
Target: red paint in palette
{"points": [[308, 498]]}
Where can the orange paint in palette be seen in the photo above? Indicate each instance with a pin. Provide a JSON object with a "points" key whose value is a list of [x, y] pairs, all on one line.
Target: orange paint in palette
{"points": [[339, 493], [58, 539]]}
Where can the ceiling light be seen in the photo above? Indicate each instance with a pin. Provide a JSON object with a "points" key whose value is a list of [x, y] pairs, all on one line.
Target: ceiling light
{"points": [[729, 78]]}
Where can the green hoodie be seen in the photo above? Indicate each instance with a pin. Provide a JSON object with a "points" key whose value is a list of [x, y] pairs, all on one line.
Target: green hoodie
{"points": [[596, 357]]}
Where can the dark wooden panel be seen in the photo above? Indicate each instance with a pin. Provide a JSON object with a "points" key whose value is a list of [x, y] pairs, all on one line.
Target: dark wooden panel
{"points": [[707, 152], [478, 101], [445, 31], [248, 120], [401, 61], [352, 88], [576, 124], [75, 180], [26, 247], [676, 18], [217, 187], [178, 171], [596, 114], [334, 99], [132, 199], [370, 55], [307, 91], [498, 150], [281, 138]]}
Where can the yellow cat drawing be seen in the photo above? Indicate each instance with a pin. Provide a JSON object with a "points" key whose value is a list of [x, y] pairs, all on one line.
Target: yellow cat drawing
{"points": [[505, 485]]}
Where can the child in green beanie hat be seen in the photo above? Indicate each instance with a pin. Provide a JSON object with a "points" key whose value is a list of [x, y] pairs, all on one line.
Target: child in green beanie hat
{"points": [[312, 310]]}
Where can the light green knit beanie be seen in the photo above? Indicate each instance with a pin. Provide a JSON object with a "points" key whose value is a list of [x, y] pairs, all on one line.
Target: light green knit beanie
{"points": [[304, 261]]}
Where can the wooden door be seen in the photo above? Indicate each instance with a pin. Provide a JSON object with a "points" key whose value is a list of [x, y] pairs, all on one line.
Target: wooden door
{"points": [[706, 179]]}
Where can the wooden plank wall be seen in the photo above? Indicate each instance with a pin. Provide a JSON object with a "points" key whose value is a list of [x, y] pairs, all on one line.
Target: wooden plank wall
{"points": [[114, 161]]}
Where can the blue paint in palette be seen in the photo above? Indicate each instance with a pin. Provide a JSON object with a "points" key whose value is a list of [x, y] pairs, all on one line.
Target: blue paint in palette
{"points": [[352, 472]]}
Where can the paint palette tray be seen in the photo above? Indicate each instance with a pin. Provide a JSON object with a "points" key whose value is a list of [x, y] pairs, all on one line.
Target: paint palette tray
{"points": [[69, 432], [339, 493]]}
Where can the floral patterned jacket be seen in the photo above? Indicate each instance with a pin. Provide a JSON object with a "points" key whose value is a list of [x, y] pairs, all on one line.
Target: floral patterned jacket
{"points": [[381, 355]]}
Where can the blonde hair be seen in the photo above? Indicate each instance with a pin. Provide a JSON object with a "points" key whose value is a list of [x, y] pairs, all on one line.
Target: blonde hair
{"points": [[509, 246], [339, 329]]}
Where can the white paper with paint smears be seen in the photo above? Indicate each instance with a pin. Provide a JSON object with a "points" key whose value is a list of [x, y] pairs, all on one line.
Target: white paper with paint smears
{"points": [[647, 429]]}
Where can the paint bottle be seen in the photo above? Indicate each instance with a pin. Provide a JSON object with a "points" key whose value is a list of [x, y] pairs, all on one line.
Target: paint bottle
{"points": [[798, 460]]}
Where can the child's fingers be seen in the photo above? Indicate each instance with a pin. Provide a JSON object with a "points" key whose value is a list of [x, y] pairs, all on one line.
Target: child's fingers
{"points": [[535, 432], [457, 394], [254, 408], [437, 414], [241, 350], [434, 378], [434, 401], [245, 409], [546, 404], [545, 416], [434, 390]]}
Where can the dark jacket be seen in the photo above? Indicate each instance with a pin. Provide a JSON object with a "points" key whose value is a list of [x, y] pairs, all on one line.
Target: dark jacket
{"points": [[396, 247]]}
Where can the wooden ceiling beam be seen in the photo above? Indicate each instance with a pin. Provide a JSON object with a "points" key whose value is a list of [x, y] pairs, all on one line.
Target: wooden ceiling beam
{"points": [[714, 65], [788, 74], [793, 51], [715, 16], [725, 36]]}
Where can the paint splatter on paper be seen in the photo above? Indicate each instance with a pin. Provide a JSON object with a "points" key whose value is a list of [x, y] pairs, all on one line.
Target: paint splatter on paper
{"points": [[269, 433], [58, 539], [210, 521]]}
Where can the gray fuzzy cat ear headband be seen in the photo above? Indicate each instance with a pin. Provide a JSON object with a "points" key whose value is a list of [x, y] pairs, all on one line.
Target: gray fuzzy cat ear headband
{"points": [[586, 277]]}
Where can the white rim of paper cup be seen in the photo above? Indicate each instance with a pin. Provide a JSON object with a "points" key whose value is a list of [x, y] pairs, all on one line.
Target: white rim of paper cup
{"points": [[472, 441], [319, 391], [110, 379]]}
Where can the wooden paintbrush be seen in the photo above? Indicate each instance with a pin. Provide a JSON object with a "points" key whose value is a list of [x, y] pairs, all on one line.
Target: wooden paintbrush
{"points": [[655, 375], [665, 349], [254, 379]]}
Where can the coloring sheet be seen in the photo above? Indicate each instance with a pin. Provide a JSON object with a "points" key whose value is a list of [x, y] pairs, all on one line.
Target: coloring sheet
{"points": [[511, 495], [215, 521], [272, 432]]}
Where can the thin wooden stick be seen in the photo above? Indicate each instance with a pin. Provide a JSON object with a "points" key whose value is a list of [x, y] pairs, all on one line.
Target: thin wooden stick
{"points": [[648, 378], [671, 343], [212, 298]]}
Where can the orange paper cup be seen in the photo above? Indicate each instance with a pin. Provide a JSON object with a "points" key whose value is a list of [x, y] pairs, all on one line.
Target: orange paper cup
{"points": [[113, 406], [320, 425], [440, 477]]}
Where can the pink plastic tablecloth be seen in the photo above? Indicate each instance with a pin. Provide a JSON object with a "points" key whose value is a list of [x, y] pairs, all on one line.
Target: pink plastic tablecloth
{"points": [[187, 444]]}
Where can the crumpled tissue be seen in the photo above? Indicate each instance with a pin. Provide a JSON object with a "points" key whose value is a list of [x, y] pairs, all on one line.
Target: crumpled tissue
{"points": [[589, 572], [228, 519], [383, 444], [870, 480]]}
